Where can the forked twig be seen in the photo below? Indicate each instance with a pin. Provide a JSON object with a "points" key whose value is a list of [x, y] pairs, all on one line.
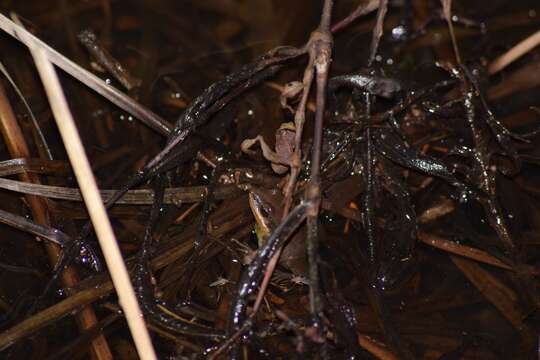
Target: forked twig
{"points": [[319, 48]]}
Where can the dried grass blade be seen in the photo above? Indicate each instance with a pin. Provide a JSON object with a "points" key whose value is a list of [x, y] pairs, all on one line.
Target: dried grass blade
{"points": [[42, 143], [23, 165], [51, 314], [79, 299], [115, 96], [504, 298], [23, 224], [376, 349], [378, 30], [132, 197], [96, 209], [514, 53]]}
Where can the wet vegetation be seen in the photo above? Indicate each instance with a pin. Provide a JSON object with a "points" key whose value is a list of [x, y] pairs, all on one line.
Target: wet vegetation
{"points": [[320, 179]]}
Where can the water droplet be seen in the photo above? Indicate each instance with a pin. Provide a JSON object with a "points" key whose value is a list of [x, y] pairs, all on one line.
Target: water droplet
{"points": [[399, 32]]}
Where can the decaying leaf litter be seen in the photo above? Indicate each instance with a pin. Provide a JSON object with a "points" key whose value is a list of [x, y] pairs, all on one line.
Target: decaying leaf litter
{"points": [[369, 194]]}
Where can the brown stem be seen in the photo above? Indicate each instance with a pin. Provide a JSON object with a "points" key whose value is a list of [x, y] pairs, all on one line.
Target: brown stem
{"points": [[364, 8], [323, 56], [299, 120], [319, 47], [89, 39], [326, 15], [447, 11], [378, 30]]}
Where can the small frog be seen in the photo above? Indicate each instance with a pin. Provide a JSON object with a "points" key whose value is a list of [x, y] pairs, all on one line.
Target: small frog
{"points": [[284, 149], [266, 207]]}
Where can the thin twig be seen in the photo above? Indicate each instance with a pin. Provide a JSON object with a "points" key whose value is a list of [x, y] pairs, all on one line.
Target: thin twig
{"points": [[95, 291], [378, 30], [322, 53], [98, 215], [447, 12], [42, 144], [227, 344], [44, 232], [375, 348], [365, 7], [319, 48], [79, 345], [514, 53], [105, 59], [115, 96], [53, 313], [299, 120]]}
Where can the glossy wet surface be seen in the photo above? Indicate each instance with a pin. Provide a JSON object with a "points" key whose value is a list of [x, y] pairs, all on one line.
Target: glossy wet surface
{"points": [[430, 215]]}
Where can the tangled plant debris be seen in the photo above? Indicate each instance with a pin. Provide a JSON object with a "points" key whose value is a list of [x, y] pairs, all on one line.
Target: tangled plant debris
{"points": [[368, 194]]}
